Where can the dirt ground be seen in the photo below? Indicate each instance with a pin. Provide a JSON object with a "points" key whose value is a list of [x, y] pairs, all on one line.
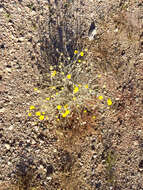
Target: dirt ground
{"points": [[106, 155]]}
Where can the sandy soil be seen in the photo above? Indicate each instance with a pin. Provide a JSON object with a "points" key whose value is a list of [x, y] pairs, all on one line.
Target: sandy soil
{"points": [[108, 155]]}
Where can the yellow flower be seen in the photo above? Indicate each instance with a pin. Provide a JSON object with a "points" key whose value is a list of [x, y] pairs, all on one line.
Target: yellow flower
{"points": [[65, 106], [67, 112], [38, 113], [109, 102], [99, 76], [57, 93], [85, 111], [79, 61], [48, 98], [69, 76], [47, 117], [76, 89], [64, 115], [94, 117], [86, 86], [32, 107], [41, 117], [53, 73], [59, 107], [81, 53], [100, 97], [29, 114], [36, 89], [43, 113], [75, 52], [74, 98]]}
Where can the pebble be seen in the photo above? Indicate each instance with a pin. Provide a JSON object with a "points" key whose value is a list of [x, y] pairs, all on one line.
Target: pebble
{"points": [[21, 39], [8, 69], [7, 146], [33, 142], [11, 127], [136, 143], [49, 178], [116, 30], [9, 163], [2, 110]]}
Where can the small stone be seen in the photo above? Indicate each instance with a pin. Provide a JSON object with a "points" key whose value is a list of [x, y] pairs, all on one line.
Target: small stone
{"points": [[21, 39], [41, 167], [9, 163], [7, 146], [55, 150], [136, 143], [2, 110], [33, 142], [11, 127], [49, 178], [8, 69], [1, 9], [116, 30], [94, 156]]}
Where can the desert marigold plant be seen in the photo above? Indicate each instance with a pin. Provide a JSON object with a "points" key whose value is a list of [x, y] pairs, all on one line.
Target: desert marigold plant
{"points": [[71, 84]]}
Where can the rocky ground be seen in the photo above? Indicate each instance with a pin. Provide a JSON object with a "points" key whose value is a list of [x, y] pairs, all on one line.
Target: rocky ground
{"points": [[108, 155]]}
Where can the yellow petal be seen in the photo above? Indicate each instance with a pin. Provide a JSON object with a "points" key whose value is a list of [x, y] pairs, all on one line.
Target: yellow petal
{"points": [[100, 97], [32, 107], [67, 112], [59, 107], [64, 115], [41, 117], [38, 113], [81, 53], [69, 76], [29, 114], [75, 52], [109, 102], [76, 89]]}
